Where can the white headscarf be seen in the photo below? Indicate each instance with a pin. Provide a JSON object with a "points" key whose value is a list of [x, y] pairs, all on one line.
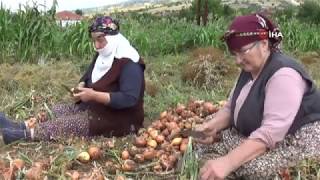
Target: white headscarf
{"points": [[117, 47]]}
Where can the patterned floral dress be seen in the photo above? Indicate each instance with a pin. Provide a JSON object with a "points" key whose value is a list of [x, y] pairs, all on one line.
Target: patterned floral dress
{"points": [[70, 120], [305, 143]]}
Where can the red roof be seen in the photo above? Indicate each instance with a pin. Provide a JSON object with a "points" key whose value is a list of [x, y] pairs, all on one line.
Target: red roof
{"points": [[68, 15]]}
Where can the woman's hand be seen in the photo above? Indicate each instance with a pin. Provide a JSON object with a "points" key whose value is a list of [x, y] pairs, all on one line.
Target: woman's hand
{"points": [[209, 129], [81, 84], [217, 169], [85, 94]]}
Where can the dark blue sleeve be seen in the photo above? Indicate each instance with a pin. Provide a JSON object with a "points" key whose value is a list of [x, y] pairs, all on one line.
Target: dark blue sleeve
{"points": [[131, 79]]}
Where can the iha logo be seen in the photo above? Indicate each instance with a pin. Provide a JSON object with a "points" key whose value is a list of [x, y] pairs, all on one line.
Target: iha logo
{"points": [[270, 34], [275, 34]]}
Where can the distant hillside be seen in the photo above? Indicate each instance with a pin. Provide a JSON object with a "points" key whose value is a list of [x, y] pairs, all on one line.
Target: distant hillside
{"points": [[133, 5], [155, 6]]}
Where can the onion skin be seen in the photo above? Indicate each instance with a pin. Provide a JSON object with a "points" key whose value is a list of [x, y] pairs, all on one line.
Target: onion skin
{"points": [[176, 141], [160, 139], [18, 163], [129, 165], [163, 114], [125, 155], [84, 157], [94, 152], [152, 143], [139, 158], [149, 154], [140, 142]]}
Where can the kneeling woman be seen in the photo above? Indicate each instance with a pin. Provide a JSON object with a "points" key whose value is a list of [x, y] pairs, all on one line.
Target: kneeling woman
{"points": [[271, 120], [110, 97]]}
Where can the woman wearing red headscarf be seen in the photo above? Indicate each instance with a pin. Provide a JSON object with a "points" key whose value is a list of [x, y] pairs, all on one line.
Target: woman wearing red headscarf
{"points": [[109, 100], [271, 119]]}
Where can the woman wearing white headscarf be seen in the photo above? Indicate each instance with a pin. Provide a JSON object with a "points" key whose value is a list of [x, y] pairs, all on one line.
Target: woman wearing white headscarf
{"points": [[109, 98]]}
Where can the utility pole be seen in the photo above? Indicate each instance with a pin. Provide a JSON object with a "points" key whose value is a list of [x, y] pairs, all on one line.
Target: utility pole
{"points": [[198, 12], [205, 13], [45, 5]]}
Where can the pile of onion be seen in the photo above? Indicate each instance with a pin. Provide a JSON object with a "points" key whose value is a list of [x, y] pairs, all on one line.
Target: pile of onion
{"points": [[162, 140]]}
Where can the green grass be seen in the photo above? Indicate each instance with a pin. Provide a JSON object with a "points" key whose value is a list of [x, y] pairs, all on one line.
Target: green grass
{"points": [[32, 36]]}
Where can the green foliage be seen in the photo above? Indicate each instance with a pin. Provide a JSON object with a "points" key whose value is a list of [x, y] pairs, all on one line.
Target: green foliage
{"points": [[287, 13], [79, 12], [309, 11], [215, 9], [32, 36]]}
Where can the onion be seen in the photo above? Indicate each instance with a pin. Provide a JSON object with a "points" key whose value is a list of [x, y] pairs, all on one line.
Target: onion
{"points": [[18, 163], [165, 162], [84, 157], [157, 168], [174, 133], [120, 177], [139, 158], [152, 143], [111, 168], [198, 120], [176, 141], [222, 103], [94, 152], [150, 129], [164, 145], [188, 125], [181, 125], [129, 165], [159, 153], [180, 108], [149, 154], [158, 125], [140, 142], [75, 175], [154, 134], [163, 114], [134, 150], [145, 135], [110, 143], [209, 107], [172, 125], [125, 155], [172, 158], [160, 139], [163, 121], [34, 173], [165, 132], [170, 117]]}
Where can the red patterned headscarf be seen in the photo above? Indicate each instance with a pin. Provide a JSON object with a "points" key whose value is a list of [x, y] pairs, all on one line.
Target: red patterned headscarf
{"points": [[250, 28], [105, 24]]}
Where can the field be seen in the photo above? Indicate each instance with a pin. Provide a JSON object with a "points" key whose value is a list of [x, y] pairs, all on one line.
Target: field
{"points": [[35, 60]]}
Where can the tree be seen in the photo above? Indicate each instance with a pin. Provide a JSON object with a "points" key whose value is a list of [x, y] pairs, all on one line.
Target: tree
{"points": [[309, 11], [202, 8], [79, 12]]}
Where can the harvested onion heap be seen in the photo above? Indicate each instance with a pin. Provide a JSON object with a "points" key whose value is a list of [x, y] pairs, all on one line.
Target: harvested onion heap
{"points": [[162, 140]]}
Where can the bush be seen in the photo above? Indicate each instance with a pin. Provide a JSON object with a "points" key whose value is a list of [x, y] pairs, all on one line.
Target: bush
{"points": [[309, 11], [208, 68]]}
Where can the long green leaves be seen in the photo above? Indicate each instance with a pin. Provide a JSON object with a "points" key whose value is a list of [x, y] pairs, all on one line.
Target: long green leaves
{"points": [[32, 36]]}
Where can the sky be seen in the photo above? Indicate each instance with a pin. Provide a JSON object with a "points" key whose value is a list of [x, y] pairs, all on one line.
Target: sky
{"points": [[62, 4]]}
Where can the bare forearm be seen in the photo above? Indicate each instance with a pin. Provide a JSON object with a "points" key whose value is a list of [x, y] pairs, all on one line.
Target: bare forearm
{"points": [[248, 150], [221, 120]]}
